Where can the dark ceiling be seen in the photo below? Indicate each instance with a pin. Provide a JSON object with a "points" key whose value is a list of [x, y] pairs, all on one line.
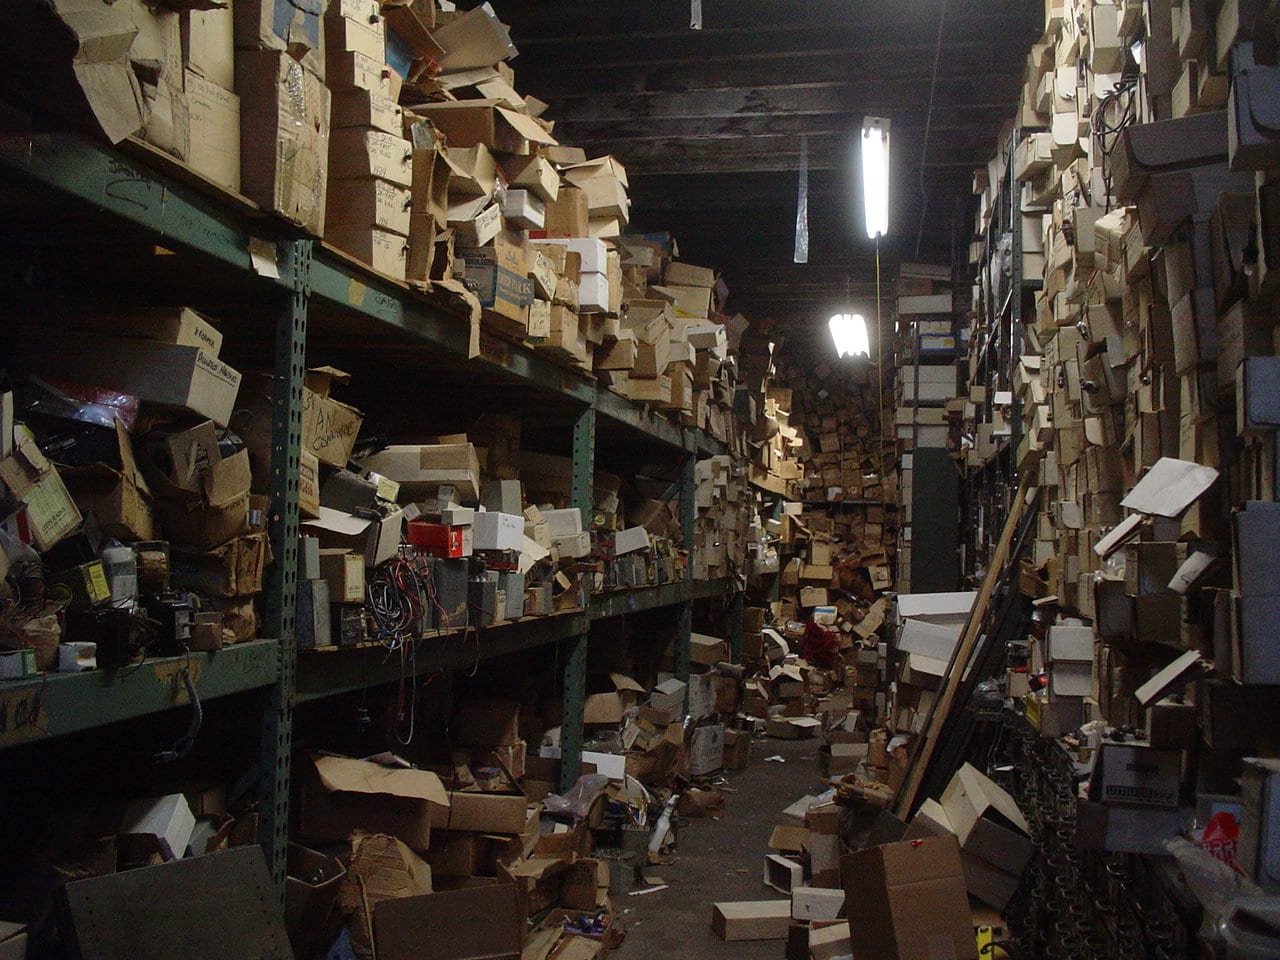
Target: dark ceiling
{"points": [[710, 124]]}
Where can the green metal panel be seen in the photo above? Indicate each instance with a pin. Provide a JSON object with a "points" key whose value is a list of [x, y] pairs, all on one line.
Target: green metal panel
{"points": [[643, 419], [582, 496], [81, 168], [323, 675], [280, 594], [649, 598], [58, 704]]}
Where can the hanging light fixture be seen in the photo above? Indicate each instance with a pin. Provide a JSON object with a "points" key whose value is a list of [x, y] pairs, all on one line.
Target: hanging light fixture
{"points": [[875, 175], [849, 331]]}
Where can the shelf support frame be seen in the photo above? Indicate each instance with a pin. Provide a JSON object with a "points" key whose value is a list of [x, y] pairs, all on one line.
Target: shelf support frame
{"points": [[582, 496], [282, 577]]}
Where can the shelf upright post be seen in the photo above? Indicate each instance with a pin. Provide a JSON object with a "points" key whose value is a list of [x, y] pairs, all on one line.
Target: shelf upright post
{"points": [[582, 496], [688, 511], [282, 576]]}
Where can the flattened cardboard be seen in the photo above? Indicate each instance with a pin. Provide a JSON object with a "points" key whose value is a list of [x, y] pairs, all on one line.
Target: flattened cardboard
{"points": [[482, 922], [1169, 487]]}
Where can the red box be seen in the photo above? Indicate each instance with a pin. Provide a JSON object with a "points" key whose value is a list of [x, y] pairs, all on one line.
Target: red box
{"points": [[436, 538]]}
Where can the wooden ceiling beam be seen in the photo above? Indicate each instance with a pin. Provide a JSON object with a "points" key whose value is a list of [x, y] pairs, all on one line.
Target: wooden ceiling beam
{"points": [[855, 98]]}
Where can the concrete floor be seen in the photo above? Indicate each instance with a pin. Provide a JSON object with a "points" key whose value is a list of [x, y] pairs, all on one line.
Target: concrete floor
{"points": [[720, 860]]}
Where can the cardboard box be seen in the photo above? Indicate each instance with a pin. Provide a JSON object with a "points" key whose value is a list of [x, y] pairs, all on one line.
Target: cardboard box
{"points": [[566, 216], [208, 46], [793, 728], [500, 273], [497, 531], [182, 379], [376, 540], [987, 821], [50, 512], [706, 749], [13, 941], [708, 651], [329, 428], [339, 795], [816, 903], [118, 499], [889, 884], [168, 820], [751, 920], [262, 25], [284, 132], [383, 250], [421, 469], [366, 202], [1136, 774], [356, 153], [366, 35], [1259, 844], [344, 572], [466, 123], [482, 813], [214, 118], [533, 173], [443, 925], [781, 873]]}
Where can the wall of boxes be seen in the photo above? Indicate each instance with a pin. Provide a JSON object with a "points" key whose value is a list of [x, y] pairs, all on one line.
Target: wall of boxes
{"points": [[1140, 184]]}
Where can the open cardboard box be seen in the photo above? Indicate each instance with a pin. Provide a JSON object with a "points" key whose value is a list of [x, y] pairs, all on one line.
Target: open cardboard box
{"points": [[340, 794]]}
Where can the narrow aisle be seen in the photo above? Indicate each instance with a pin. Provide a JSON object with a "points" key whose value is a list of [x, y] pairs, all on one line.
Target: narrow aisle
{"points": [[720, 860]]}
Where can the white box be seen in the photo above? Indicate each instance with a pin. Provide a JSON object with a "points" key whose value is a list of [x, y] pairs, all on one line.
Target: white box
{"points": [[497, 531], [523, 209], [816, 903], [573, 546], [563, 523], [594, 253], [593, 293], [169, 819], [630, 540]]}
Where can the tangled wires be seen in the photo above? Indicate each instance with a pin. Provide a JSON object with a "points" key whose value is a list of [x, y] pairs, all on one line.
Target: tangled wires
{"points": [[401, 595]]}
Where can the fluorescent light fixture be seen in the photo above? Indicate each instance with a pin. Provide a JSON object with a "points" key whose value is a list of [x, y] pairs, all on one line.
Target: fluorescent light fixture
{"points": [[849, 331], [875, 175]]}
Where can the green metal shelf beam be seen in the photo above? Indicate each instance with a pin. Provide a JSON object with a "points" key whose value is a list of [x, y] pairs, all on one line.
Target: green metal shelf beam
{"points": [[63, 703], [323, 675], [128, 189], [650, 598]]}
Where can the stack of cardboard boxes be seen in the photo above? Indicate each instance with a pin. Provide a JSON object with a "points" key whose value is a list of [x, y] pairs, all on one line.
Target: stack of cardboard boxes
{"points": [[138, 504], [1143, 190]]}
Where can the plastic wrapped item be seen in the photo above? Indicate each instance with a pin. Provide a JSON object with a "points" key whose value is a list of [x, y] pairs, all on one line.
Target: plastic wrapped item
{"points": [[610, 741], [578, 800], [1218, 887], [64, 400]]}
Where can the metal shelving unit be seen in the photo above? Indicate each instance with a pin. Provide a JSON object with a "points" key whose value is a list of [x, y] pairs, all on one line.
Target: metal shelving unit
{"points": [[58, 704], [305, 284], [1005, 301]]}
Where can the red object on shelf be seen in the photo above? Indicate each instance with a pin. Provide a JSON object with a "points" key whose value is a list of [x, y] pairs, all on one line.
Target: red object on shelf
{"points": [[436, 539]]}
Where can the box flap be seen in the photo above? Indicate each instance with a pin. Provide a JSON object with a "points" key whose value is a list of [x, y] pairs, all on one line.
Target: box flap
{"points": [[362, 776], [335, 521], [1169, 487], [527, 127], [622, 682], [475, 39]]}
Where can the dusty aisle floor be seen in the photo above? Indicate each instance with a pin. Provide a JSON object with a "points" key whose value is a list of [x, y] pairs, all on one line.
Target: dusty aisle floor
{"points": [[720, 860]]}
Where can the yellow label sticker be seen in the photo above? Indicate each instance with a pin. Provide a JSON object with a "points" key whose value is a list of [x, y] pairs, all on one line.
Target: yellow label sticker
{"points": [[355, 292], [97, 583]]}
